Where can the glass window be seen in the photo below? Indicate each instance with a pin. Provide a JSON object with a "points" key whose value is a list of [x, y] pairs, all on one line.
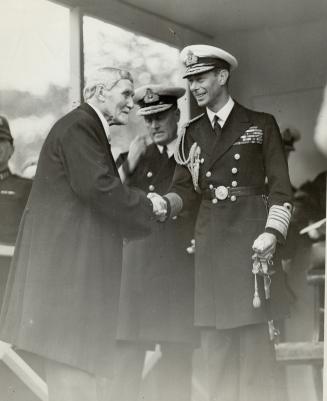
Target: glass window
{"points": [[149, 61], [34, 73]]}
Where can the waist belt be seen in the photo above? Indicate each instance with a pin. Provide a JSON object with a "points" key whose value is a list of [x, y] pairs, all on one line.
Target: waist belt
{"points": [[221, 192]]}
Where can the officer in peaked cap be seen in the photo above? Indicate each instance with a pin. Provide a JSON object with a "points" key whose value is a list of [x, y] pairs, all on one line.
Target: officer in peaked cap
{"points": [[14, 191], [154, 99], [5, 133], [202, 58], [224, 157], [157, 291]]}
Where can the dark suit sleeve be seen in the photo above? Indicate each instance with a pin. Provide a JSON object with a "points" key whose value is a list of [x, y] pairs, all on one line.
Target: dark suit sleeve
{"points": [[276, 167], [92, 176]]}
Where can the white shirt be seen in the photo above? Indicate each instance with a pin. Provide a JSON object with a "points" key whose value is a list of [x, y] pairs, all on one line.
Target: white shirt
{"points": [[103, 121], [222, 114], [170, 148]]}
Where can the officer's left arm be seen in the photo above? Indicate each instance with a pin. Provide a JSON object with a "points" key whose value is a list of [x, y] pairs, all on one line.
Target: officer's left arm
{"points": [[279, 188]]}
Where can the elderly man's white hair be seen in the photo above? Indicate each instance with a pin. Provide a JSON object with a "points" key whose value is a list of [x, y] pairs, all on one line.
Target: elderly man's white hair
{"points": [[106, 76]]}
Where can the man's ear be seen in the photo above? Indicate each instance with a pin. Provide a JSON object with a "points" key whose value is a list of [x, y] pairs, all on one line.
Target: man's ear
{"points": [[223, 77], [99, 93]]}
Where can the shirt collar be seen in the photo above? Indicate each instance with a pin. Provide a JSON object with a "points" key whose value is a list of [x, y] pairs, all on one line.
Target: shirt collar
{"points": [[103, 121], [222, 114], [170, 148]]}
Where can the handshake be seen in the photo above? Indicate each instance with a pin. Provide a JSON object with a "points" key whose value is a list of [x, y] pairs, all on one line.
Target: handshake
{"points": [[159, 206]]}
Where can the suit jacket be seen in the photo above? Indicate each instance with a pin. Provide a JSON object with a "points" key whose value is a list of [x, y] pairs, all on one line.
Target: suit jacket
{"points": [[157, 293], [62, 295], [249, 150]]}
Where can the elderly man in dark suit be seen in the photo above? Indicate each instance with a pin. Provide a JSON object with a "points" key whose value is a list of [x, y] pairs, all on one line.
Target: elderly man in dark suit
{"points": [[225, 157], [61, 300], [157, 293]]}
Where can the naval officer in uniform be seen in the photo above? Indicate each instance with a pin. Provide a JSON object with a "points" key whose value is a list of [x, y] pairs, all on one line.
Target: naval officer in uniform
{"points": [[157, 292], [225, 155], [14, 192]]}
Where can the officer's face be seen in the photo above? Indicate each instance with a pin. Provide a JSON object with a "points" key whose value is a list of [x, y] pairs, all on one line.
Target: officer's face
{"points": [[162, 127], [118, 102], [206, 88], [6, 150]]}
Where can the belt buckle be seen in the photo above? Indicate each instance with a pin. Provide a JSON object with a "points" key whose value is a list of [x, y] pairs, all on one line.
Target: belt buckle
{"points": [[221, 192]]}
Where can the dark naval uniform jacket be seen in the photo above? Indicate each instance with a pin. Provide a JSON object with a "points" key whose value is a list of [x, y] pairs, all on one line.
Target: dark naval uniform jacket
{"points": [[14, 192], [61, 300], [249, 150], [157, 293]]}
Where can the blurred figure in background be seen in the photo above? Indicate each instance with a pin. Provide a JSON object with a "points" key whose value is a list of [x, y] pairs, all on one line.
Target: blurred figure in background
{"points": [[14, 192], [320, 136], [289, 137]]}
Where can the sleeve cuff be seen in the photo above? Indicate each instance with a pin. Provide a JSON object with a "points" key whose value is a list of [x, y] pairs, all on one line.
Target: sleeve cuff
{"points": [[278, 221], [280, 239], [174, 204]]}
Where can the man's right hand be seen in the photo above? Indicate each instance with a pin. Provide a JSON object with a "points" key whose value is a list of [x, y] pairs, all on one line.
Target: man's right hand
{"points": [[159, 206]]}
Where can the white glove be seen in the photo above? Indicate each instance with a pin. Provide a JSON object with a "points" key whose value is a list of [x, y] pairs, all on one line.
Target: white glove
{"points": [[265, 245], [159, 206]]}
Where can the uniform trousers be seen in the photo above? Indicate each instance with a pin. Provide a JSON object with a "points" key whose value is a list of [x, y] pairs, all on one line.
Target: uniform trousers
{"points": [[241, 365], [170, 379]]}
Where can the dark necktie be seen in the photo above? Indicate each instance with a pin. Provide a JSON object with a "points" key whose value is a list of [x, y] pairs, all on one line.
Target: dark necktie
{"points": [[217, 127], [164, 153]]}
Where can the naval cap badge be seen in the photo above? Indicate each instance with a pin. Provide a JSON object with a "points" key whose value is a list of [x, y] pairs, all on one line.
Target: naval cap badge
{"points": [[150, 96], [191, 59]]}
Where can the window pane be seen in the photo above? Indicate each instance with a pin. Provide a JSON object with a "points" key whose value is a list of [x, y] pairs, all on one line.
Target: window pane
{"points": [[34, 72], [149, 61]]}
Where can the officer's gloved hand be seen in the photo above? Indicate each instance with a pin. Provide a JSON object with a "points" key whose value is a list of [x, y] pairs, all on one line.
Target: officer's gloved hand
{"points": [[265, 245]]}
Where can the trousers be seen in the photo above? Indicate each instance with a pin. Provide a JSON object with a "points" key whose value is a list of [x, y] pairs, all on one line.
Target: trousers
{"points": [[241, 365]]}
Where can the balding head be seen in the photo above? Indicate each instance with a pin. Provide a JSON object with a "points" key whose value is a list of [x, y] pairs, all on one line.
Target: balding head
{"points": [[110, 90], [106, 76]]}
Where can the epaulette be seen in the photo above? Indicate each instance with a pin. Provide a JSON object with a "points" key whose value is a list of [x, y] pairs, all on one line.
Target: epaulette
{"points": [[192, 121]]}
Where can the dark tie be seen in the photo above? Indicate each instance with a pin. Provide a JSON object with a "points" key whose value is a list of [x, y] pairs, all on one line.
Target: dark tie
{"points": [[164, 153], [217, 127]]}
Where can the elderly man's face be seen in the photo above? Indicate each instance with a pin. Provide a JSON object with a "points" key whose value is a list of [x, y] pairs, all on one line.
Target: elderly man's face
{"points": [[162, 126], [6, 150], [119, 102]]}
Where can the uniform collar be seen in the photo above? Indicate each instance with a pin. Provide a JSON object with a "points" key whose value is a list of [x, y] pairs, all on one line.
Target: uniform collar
{"points": [[4, 174], [170, 148], [222, 114], [103, 120]]}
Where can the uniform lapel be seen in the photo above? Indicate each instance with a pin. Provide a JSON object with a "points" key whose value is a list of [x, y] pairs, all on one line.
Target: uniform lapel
{"points": [[237, 122], [156, 164], [204, 135]]}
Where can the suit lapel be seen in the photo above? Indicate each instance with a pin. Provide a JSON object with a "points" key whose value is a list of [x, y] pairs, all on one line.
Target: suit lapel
{"points": [[237, 122], [100, 133]]}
